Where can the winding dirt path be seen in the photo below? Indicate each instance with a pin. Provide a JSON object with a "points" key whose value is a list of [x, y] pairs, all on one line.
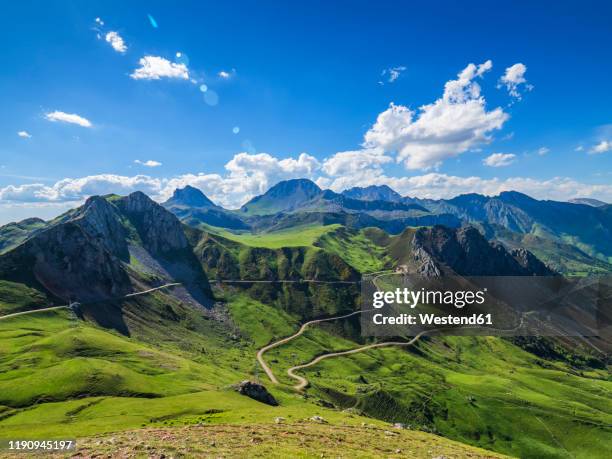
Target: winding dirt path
{"points": [[264, 349], [303, 382]]}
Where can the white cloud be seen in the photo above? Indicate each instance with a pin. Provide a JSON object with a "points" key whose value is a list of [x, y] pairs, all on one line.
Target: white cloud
{"points": [[116, 42], [99, 21], [348, 162], [499, 159], [248, 175], [68, 118], [579, 148], [148, 163], [349, 168], [155, 68], [514, 78], [448, 127], [393, 73], [601, 147], [74, 190], [439, 186], [24, 134], [543, 151], [225, 75]]}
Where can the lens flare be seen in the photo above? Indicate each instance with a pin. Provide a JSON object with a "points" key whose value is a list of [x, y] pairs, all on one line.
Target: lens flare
{"points": [[236, 130], [211, 98], [203, 88], [182, 58], [152, 21]]}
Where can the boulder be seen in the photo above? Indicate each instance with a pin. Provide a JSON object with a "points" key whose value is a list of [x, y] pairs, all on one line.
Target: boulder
{"points": [[256, 392]]}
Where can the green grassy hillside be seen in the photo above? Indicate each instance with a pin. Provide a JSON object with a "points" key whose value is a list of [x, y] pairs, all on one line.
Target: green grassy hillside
{"points": [[481, 391], [300, 236], [157, 362]]}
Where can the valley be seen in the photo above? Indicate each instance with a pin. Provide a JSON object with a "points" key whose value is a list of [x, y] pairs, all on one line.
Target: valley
{"points": [[176, 308]]}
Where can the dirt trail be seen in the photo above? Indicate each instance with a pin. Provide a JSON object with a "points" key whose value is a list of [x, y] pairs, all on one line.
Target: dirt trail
{"points": [[303, 382], [264, 349]]}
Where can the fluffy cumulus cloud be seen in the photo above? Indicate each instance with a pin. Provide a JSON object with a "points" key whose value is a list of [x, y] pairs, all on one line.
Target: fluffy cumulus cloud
{"points": [[155, 68], [514, 80], [116, 41], [24, 134], [601, 147], [248, 175], [499, 159], [70, 118], [348, 168], [453, 124], [75, 190], [148, 163]]}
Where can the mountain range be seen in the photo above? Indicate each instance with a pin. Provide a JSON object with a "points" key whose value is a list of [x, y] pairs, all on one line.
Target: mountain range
{"points": [[585, 229], [251, 276]]}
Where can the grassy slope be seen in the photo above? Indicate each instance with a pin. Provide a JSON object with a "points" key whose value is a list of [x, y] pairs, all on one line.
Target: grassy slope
{"points": [[363, 250], [61, 377], [16, 297], [482, 391], [302, 236], [299, 439], [13, 234]]}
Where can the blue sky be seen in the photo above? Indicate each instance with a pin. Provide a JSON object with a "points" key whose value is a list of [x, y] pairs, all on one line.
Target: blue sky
{"points": [[302, 79]]}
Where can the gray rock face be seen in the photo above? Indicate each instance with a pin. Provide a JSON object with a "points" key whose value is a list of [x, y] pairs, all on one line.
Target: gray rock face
{"points": [[531, 263], [102, 222], [256, 392], [159, 230], [69, 263], [466, 252]]}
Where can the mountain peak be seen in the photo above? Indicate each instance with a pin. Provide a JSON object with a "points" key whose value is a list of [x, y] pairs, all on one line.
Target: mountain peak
{"points": [[373, 193], [283, 196], [515, 197], [305, 186], [189, 196]]}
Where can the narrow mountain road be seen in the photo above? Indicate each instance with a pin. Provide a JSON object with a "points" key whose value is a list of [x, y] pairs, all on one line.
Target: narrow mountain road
{"points": [[264, 349], [66, 306], [17, 314], [299, 281], [173, 284], [303, 382]]}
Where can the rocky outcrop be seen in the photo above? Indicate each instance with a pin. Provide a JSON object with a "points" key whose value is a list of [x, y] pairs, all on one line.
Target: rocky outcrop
{"points": [[256, 392], [531, 263], [69, 263], [465, 251], [159, 230], [101, 221]]}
